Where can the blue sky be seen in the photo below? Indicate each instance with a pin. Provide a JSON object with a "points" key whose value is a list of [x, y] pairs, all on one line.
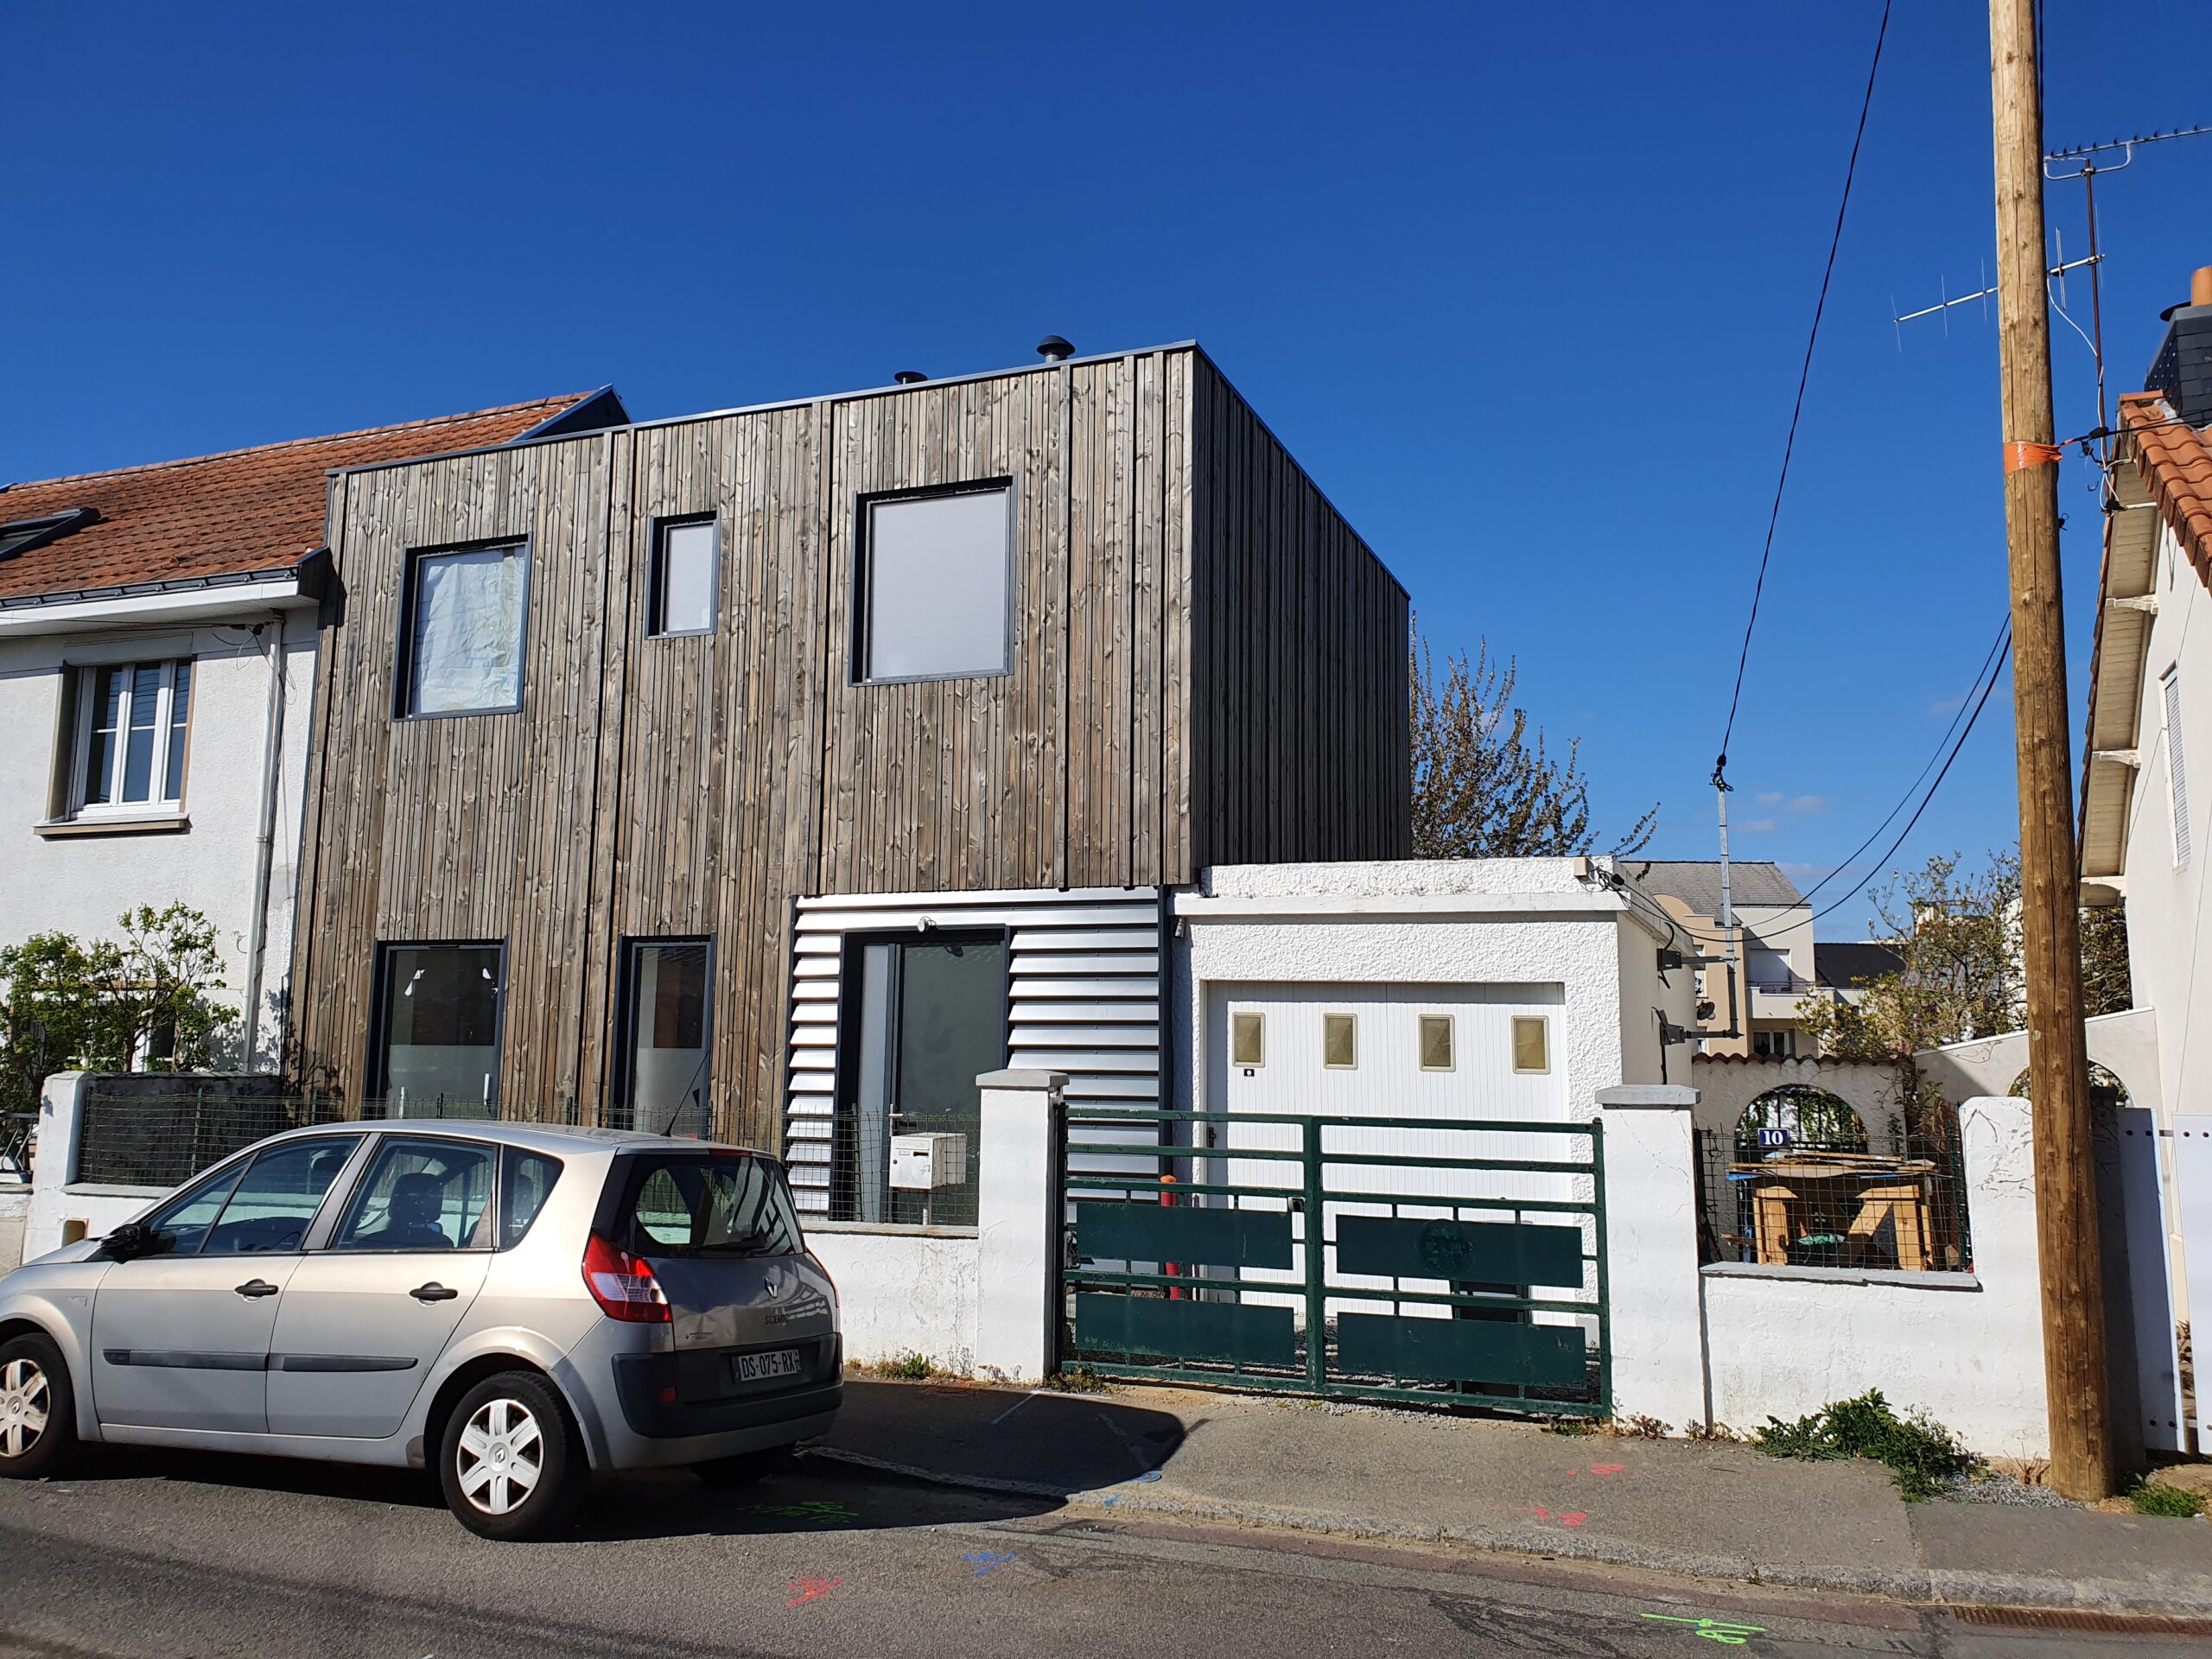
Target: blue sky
{"points": [[1525, 288]]}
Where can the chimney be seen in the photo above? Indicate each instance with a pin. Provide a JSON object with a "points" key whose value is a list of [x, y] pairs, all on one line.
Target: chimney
{"points": [[2181, 371], [1053, 349]]}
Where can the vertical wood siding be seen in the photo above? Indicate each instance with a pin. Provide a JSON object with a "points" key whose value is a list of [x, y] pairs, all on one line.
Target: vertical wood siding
{"points": [[1206, 664]]}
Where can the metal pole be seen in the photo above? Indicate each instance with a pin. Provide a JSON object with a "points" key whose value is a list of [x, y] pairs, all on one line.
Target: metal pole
{"points": [[2076, 1385], [1317, 1244]]}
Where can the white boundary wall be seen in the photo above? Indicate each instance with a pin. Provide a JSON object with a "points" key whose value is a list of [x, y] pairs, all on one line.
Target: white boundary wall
{"points": [[1736, 1344]]}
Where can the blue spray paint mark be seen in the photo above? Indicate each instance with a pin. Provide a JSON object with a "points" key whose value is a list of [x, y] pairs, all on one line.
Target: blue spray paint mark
{"points": [[1114, 1497], [988, 1559]]}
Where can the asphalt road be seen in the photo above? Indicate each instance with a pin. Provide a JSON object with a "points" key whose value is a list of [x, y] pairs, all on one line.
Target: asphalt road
{"points": [[181, 1555]]}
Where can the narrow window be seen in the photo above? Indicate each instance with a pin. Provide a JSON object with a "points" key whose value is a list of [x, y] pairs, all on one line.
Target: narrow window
{"points": [[1339, 1041], [130, 740], [1531, 1044], [936, 571], [683, 578], [461, 633], [2176, 772], [1248, 1039], [664, 1025], [437, 1047], [1436, 1042]]}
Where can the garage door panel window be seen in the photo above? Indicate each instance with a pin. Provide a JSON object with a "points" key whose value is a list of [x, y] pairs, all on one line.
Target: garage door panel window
{"points": [[1247, 1040], [1340, 1042], [1436, 1046], [1531, 1044]]}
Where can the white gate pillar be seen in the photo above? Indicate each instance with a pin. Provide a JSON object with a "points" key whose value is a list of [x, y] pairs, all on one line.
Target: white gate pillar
{"points": [[1018, 1223], [1655, 1295]]}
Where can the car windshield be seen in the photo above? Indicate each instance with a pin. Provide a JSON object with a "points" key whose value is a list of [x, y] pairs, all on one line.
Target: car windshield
{"points": [[716, 1204]]}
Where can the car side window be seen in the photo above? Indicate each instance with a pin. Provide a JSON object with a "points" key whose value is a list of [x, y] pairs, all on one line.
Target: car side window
{"points": [[525, 1182], [271, 1207], [182, 1228], [419, 1195]]}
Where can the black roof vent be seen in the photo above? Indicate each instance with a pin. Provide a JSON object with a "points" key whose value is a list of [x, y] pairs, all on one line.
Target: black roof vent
{"points": [[1053, 349], [910, 376], [2181, 371]]}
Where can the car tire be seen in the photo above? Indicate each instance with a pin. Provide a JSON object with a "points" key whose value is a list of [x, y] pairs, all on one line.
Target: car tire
{"points": [[38, 1409], [510, 1461], [746, 1468]]}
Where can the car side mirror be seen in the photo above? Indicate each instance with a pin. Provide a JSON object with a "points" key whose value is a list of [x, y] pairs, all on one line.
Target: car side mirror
{"points": [[127, 1241]]}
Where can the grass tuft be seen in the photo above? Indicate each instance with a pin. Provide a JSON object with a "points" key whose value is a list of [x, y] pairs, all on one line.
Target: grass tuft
{"points": [[2149, 1497], [1920, 1453], [910, 1368]]}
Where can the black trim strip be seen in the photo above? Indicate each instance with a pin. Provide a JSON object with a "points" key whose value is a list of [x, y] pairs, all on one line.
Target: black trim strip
{"points": [[342, 1362], [183, 1359]]}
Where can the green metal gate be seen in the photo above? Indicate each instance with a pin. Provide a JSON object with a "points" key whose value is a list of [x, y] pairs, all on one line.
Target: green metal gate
{"points": [[1305, 1253]]}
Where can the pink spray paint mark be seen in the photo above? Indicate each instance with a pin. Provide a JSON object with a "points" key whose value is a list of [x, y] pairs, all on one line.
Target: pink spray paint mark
{"points": [[810, 1590], [1573, 1519], [1607, 1468]]}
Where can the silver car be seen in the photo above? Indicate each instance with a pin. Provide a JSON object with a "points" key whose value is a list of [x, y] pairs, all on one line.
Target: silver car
{"points": [[512, 1304]]}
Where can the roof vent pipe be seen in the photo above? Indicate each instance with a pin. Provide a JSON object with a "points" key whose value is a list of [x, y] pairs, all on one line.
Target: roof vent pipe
{"points": [[910, 376], [1053, 349]]}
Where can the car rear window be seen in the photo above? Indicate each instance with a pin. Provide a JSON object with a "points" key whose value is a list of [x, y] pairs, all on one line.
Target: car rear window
{"points": [[711, 1205]]}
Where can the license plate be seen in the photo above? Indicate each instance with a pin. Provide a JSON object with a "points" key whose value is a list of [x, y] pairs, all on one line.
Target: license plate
{"points": [[761, 1368]]}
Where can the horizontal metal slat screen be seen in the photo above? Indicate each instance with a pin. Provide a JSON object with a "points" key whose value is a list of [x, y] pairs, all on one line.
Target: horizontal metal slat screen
{"points": [[1083, 997]]}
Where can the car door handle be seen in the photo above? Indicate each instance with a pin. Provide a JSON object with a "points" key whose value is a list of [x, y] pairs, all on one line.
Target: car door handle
{"points": [[256, 1288], [433, 1292]]}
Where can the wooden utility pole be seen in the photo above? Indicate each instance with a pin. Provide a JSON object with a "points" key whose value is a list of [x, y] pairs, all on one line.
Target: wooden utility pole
{"points": [[2058, 1066]]}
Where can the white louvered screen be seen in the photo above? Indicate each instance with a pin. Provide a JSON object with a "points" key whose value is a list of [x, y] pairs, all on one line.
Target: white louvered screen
{"points": [[2176, 772], [1083, 998]]}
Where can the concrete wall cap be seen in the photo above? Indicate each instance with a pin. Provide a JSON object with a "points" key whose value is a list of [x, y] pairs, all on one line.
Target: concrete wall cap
{"points": [[1648, 1096], [1023, 1079]]}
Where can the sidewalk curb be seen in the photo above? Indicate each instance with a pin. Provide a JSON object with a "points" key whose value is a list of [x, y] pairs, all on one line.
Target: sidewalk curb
{"points": [[1936, 1586]]}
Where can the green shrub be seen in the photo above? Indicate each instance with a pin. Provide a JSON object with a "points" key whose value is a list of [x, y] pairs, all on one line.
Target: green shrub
{"points": [[1921, 1454], [913, 1368], [2151, 1498]]}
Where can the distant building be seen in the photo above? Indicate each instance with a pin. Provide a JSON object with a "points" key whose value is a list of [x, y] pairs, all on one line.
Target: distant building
{"points": [[1779, 962]]}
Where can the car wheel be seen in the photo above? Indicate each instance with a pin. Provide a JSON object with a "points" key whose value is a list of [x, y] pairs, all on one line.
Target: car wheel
{"points": [[744, 1470], [510, 1461], [38, 1409]]}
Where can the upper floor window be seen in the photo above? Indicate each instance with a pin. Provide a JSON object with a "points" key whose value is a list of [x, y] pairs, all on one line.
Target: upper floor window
{"points": [[130, 742], [682, 593], [936, 572], [461, 636]]}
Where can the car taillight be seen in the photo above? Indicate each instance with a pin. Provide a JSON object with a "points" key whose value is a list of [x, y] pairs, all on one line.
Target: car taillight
{"points": [[622, 1284]]}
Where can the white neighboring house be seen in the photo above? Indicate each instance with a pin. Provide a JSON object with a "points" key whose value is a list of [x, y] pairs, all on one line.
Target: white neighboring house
{"points": [[158, 631], [2147, 772]]}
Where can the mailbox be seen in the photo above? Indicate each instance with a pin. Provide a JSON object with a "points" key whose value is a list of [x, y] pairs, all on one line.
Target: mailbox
{"points": [[923, 1163]]}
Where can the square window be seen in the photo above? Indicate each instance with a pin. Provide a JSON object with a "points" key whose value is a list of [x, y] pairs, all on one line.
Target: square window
{"points": [[1339, 1041], [462, 631], [665, 1017], [1531, 1043], [1436, 1042], [435, 1051], [128, 749], [1248, 1039], [684, 577], [935, 575]]}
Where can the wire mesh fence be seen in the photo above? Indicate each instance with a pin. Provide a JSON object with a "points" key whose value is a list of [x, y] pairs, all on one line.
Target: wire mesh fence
{"points": [[1831, 1204], [904, 1169], [138, 1138]]}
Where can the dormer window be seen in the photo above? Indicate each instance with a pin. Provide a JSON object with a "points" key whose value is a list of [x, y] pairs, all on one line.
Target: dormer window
{"points": [[21, 535]]}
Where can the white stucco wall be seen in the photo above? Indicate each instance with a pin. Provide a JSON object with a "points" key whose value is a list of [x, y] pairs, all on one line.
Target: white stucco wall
{"points": [[1966, 1347], [2125, 1043], [82, 884], [2166, 917], [902, 1291]]}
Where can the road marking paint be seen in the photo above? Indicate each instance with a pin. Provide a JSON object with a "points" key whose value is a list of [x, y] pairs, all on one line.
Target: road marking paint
{"points": [[1726, 1631], [990, 1559], [810, 1590], [1015, 1407], [1607, 1468]]}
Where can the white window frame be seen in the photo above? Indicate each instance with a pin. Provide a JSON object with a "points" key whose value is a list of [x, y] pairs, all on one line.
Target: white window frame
{"points": [[2176, 763], [165, 794]]}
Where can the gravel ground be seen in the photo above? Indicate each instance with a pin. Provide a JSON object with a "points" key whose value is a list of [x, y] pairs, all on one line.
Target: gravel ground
{"points": [[1990, 1487]]}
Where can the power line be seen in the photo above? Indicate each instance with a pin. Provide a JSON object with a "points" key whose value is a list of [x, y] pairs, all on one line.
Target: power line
{"points": [[1968, 731], [2003, 635], [1804, 373]]}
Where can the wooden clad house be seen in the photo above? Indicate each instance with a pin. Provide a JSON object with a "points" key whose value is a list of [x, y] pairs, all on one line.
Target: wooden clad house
{"points": [[777, 765]]}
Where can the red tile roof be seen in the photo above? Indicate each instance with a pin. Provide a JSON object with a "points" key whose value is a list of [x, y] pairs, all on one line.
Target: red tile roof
{"points": [[243, 511], [2177, 467]]}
